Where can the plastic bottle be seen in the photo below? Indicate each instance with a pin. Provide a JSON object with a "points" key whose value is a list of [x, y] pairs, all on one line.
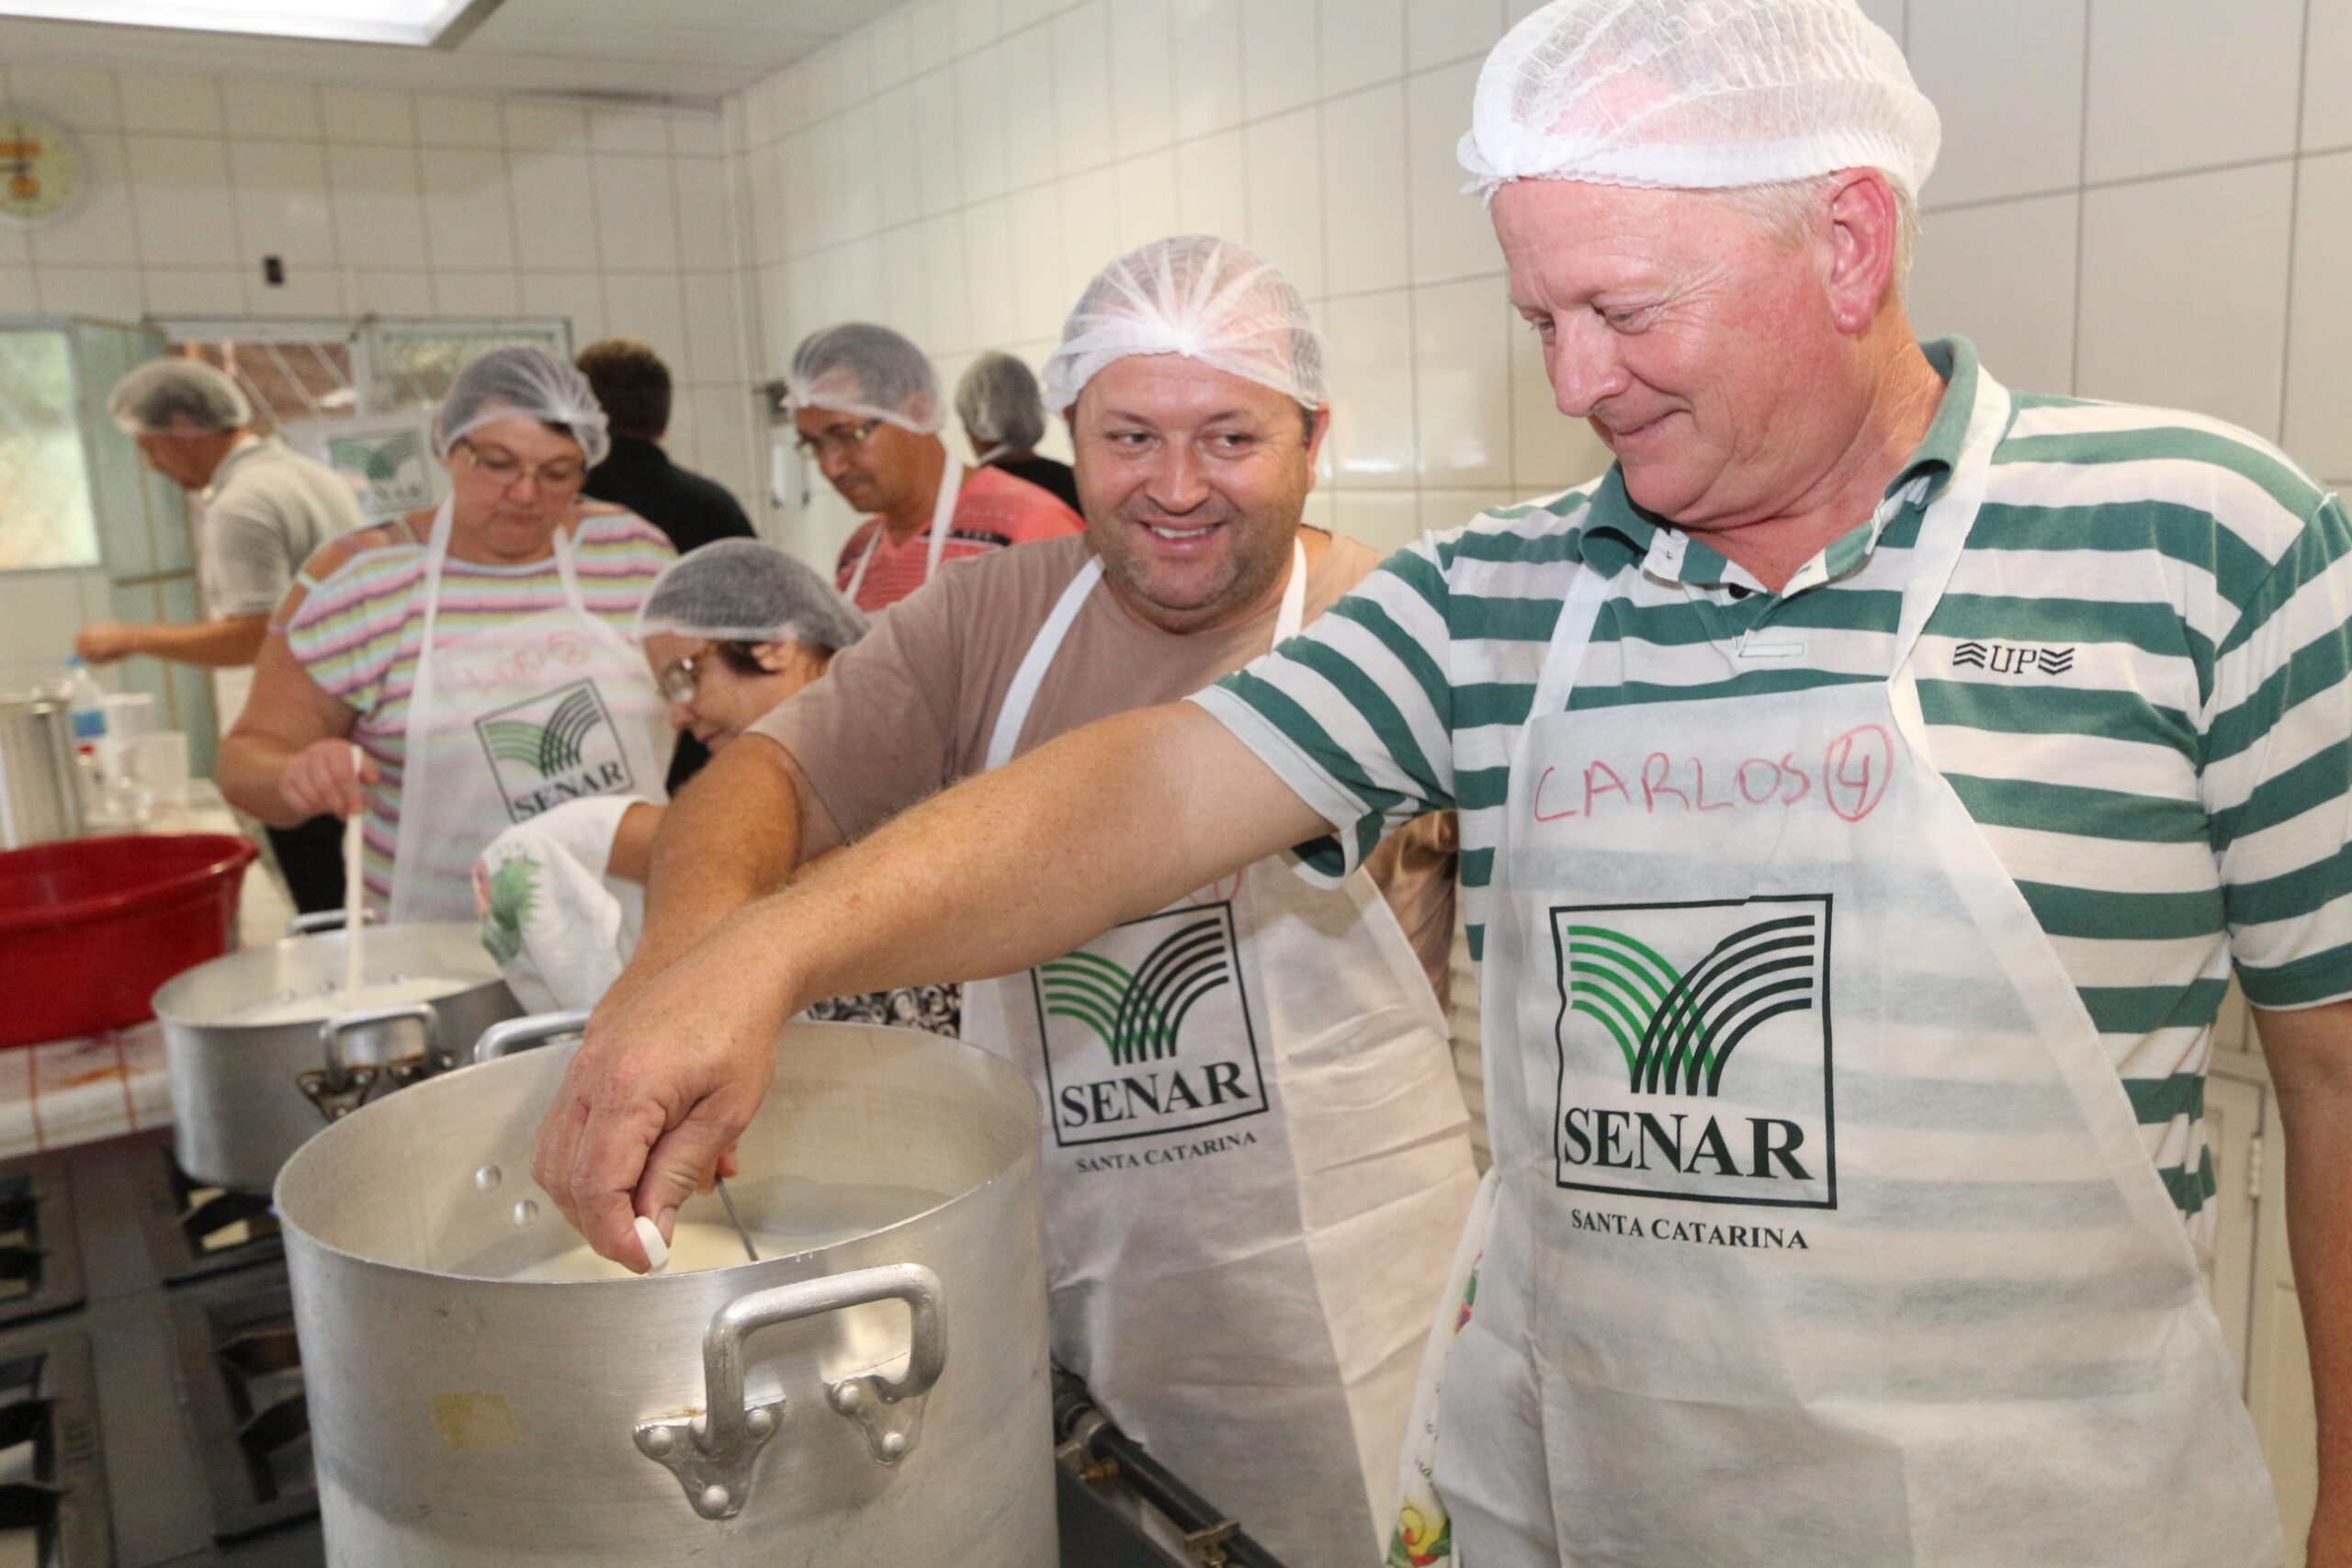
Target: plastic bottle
{"points": [[86, 700]]}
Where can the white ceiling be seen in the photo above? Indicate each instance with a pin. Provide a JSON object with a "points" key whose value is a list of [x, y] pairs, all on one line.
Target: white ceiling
{"points": [[683, 50]]}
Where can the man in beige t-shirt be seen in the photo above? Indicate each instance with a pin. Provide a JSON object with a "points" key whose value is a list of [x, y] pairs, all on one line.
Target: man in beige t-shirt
{"points": [[939, 665], [1255, 1151]]}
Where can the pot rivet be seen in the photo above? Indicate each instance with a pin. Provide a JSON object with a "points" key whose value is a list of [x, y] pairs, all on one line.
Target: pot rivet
{"points": [[893, 1444], [847, 1397], [525, 1212], [715, 1500], [487, 1178], [761, 1422], [661, 1440]]}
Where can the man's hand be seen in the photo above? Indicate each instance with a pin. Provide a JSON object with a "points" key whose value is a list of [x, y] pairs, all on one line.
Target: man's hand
{"points": [[104, 642], [321, 781], [653, 1101]]}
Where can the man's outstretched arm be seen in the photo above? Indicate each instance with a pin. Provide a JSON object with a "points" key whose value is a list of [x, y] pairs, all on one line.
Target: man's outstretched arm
{"points": [[1003, 871], [731, 836]]}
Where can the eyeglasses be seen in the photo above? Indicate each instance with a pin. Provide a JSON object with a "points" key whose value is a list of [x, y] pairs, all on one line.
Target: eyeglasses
{"points": [[681, 678], [848, 439], [506, 469]]}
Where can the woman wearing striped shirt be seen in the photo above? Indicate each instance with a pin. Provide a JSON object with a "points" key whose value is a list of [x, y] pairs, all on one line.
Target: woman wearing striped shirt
{"points": [[452, 673]]}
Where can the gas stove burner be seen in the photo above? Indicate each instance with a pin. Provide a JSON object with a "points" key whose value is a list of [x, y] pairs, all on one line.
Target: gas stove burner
{"points": [[196, 1231], [240, 1373], [52, 1480], [41, 1266], [217, 1223]]}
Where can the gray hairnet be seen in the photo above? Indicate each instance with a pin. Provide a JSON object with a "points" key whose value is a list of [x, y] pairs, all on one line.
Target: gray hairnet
{"points": [[999, 404], [165, 394], [869, 371], [748, 590], [1196, 296], [526, 382]]}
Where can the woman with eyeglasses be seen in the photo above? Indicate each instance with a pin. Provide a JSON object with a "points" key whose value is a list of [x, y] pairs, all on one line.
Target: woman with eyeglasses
{"points": [[731, 631], [453, 672]]}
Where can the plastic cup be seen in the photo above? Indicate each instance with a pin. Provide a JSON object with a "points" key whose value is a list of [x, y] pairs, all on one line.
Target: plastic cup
{"points": [[129, 714], [159, 762]]}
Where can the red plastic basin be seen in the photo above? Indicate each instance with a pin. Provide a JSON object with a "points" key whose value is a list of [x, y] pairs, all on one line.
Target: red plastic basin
{"points": [[90, 927]]}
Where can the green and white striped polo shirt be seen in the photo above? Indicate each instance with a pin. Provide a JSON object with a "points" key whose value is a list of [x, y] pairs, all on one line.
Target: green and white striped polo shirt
{"points": [[2136, 682]]}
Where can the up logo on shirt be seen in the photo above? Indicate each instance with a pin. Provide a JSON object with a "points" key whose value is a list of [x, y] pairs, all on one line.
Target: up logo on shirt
{"points": [[1147, 1030], [1694, 1053], [556, 747]]}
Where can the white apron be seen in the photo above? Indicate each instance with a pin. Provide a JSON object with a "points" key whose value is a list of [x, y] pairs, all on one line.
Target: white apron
{"points": [[1256, 1165], [1825, 1233], [509, 721], [942, 522]]}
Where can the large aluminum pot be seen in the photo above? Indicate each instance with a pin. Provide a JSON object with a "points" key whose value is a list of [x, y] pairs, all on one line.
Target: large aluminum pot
{"points": [[40, 786], [878, 1395], [246, 1095]]}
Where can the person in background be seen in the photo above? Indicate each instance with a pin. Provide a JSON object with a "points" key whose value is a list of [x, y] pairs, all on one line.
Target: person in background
{"points": [[476, 658], [262, 510], [1004, 418], [869, 414], [633, 386], [730, 631], [1256, 1153]]}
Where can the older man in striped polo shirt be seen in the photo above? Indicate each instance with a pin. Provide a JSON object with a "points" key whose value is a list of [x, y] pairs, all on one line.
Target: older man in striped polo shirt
{"points": [[1867, 788]]}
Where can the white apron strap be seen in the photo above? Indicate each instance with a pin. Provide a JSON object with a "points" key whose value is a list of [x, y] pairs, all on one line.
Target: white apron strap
{"points": [[1571, 635], [942, 522], [1943, 535], [1021, 696], [943, 516]]}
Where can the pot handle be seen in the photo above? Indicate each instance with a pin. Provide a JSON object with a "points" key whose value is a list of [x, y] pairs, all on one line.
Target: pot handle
{"points": [[711, 1453], [342, 1087], [324, 920], [510, 1036]]}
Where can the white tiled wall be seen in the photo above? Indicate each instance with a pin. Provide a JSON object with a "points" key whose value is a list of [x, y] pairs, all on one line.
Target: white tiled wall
{"points": [[402, 205], [2133, 203]]}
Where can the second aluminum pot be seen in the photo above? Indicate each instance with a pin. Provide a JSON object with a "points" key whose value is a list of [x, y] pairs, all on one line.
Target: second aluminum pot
{"points": [[245, 1096], [875, 1393]]}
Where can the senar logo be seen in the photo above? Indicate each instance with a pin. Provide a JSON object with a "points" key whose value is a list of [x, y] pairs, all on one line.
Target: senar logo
{"points": [[1138, 1017], [551, 748], [1147, 1030], [555, 747], [1694, 1050]]}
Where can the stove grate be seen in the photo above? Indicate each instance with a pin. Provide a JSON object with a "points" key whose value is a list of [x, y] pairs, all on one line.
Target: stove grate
{"points": [[241, 1375]]}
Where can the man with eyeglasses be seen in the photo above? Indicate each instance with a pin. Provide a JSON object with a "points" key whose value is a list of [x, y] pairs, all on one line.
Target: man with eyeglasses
{"points": [[869, 414]]}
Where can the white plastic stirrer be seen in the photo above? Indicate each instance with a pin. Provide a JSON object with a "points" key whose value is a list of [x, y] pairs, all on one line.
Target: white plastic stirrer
{"points": [[354, 893]]}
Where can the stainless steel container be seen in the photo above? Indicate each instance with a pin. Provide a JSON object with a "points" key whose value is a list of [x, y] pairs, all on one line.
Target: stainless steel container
{"points": [[878, 1397], [246, 1095], [40, 788]]}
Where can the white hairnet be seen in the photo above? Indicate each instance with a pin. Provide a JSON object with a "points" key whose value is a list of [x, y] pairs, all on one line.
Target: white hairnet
{"points": [[1698, 94], [1195, 295], [869, 371], [999, 404], [153, 396], [747, 591], [526, 382]]}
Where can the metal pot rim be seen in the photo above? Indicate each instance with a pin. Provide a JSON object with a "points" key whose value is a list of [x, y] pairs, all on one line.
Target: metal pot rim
{"points": [[170, 996], [1028, 1157]]}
